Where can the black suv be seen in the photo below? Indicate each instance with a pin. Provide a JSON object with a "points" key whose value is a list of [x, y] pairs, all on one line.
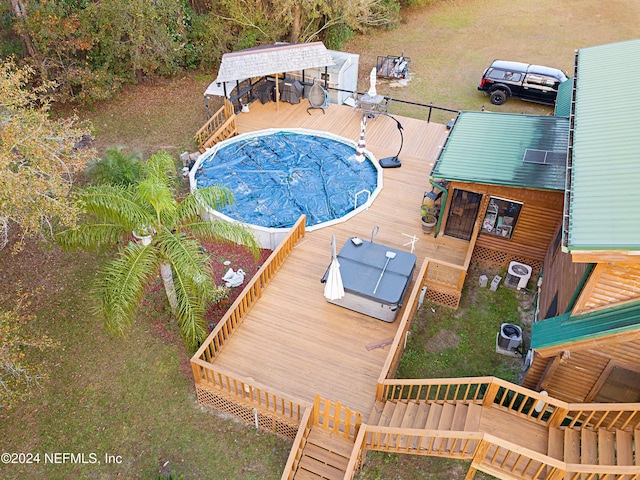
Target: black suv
{"points": [[535, 83]]}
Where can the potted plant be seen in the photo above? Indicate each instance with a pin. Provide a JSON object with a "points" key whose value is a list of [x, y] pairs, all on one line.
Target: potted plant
{"points": [[429, 219]]}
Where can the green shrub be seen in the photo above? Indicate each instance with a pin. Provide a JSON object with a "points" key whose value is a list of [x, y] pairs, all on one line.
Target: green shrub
{"points": [[116, 168]]}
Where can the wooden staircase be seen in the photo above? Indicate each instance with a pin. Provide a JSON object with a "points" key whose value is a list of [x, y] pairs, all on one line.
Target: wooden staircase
{"points": [[587, 447], [447, 429], [505, 430], [325, 456], [419, 415]]}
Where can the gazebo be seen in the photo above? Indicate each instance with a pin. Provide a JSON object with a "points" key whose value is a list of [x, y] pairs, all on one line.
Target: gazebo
{"points": [[272, 60]]}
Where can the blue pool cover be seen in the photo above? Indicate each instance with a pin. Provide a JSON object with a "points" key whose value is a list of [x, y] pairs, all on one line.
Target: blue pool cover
{"points": [[277, 177]]}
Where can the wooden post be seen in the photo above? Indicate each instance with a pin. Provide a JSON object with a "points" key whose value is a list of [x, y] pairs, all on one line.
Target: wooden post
{"points": [[553, 365], [490, 396], [557, 417], [478, 458], [471, 473], [277, 95]]}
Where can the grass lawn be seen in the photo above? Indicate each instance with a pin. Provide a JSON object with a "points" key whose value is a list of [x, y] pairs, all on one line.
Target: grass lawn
{"points": [[133, 397]]}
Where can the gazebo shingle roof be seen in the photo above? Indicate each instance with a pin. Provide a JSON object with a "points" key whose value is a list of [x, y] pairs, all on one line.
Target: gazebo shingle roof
{"points": [[272, 59]]}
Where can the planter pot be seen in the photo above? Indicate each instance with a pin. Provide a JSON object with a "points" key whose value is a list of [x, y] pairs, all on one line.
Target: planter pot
{"points": [[145, 240], [428, 223]]}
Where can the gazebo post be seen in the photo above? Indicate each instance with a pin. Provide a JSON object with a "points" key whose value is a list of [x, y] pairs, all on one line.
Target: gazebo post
{"points": [[277, 95]]}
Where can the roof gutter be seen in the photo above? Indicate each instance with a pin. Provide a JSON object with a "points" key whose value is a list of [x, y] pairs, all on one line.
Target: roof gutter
{"points": [[568, 185], [445, 194]]}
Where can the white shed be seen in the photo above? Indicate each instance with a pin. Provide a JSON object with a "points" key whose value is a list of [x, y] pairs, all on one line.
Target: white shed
{"points": [[343, 75]]}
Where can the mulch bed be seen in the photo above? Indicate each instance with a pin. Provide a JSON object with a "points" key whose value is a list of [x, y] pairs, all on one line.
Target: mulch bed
{"points": [[239, 258]]}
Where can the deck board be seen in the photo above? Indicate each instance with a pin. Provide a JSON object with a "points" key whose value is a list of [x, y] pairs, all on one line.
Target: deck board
{"points": [[292, 339], [504, 425]]}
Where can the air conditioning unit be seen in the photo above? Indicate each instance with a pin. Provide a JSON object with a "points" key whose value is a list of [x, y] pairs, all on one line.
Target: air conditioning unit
{"points": [[518, 275], [510, 336]]}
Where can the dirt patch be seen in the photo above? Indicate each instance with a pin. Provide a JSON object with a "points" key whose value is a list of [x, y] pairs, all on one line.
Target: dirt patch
{"points": [[443, 340]]}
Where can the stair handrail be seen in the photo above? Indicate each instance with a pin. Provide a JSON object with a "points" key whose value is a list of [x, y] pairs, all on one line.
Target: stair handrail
{"points": [[483, 448], [390, 433], [561, 468], [223, 115], [624, 416], [295, 453], [495, 392], [355, 460]]}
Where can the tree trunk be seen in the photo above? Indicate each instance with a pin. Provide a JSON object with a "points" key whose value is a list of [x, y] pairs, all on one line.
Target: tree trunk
{"points": [[294, 37], [20, 11], [169, 287]]}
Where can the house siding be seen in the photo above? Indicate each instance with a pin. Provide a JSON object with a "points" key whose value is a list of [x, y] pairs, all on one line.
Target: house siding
{"points": [[575, 378], [609, 284], [535, 229], [560, 276]]}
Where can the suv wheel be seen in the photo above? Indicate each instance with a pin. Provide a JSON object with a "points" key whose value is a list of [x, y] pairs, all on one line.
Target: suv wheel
{"points": [[498, 97]]}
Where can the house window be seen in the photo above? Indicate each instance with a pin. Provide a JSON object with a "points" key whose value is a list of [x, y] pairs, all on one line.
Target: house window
{"points": [[556, 242], [552, 311], [501, 217]]}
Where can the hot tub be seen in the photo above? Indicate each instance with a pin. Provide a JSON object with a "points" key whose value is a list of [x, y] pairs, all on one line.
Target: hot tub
{"points": [[361, 264]]}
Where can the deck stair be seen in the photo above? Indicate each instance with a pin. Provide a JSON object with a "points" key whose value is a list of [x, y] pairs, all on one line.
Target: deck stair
{"points": [[325, 456], [410, 419], [419, 427], [588, 447], [505, 430]]}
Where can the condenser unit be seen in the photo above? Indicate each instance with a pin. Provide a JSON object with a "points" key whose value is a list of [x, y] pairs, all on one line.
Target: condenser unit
{"points": [[518, 275]]}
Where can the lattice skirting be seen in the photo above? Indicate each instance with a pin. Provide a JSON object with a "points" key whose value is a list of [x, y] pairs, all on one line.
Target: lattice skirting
{"points": [[495, 258], [448, 298], [266, 421]]}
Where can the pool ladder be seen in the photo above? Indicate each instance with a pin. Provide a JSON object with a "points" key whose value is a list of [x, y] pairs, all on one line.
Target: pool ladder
{"points": [[355, 200]]}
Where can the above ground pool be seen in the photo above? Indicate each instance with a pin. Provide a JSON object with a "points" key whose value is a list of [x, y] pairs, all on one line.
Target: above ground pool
{"points": [[277, 175]]}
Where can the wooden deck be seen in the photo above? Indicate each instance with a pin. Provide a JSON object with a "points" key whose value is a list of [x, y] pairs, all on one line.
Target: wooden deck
{"points": [[292, 339]]}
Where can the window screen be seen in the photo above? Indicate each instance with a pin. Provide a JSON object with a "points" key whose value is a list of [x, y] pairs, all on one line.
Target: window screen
{"points": [[501, 217]]}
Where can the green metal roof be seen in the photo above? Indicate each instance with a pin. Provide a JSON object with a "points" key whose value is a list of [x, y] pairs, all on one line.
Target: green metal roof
{"points": [[488, 147], [565, 328], [604, 201], [563, 100]]}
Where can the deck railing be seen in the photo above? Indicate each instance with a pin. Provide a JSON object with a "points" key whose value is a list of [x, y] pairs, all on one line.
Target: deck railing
{"points": [[248, 391], [230, 322], [333, 416], [438, 390], [623, 416], [447, 275], [496, 393], [220, 126], [328, 415], [295, 454], [397, 347], [497, 457]]}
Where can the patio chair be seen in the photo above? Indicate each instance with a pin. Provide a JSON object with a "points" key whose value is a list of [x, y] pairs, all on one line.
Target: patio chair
{"points": [[318, 98]]}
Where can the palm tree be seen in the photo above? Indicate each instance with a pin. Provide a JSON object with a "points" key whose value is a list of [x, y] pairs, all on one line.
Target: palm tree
{"points": [[167, 233]]}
